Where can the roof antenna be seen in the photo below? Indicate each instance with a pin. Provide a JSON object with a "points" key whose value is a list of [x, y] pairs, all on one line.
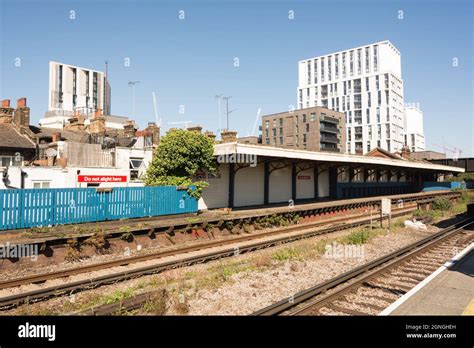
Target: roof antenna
{"points": [[259, 111]]}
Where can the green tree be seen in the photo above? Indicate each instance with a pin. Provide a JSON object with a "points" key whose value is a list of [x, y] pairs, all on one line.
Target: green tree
{"points": [[179, 158]]}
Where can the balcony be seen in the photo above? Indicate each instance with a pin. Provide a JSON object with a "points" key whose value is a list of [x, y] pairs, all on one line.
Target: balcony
{"points": [[329, 129], [330, 148], [333, 120], [329, 139]]}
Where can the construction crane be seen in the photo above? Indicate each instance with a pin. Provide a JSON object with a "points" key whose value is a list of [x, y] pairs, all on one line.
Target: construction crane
{"points": [[158, 120], [186, 123], [452, 149]]}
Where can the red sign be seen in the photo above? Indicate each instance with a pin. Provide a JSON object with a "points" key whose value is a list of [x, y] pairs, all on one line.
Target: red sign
{"points": [[304, 177], [101, 178]]}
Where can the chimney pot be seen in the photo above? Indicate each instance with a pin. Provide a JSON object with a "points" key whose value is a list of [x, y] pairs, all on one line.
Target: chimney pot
{"points": [[21, 103], [6, 103]]}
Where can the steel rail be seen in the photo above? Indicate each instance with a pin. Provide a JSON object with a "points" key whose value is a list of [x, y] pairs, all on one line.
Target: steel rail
{"points": [[39, 278], [406, 252], [44, 293]]}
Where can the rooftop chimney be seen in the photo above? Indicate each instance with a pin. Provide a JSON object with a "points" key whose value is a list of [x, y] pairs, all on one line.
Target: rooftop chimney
{"points": [[229, 136], [195, 129], [155, 132], [76, 123], [129, 129], [97, 123], [210, 135], [21, 117], [405, 152], [56, 137], [6, 112]]}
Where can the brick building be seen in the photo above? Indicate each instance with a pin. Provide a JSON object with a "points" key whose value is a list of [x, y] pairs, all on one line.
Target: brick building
{"points": [[315, 129]]}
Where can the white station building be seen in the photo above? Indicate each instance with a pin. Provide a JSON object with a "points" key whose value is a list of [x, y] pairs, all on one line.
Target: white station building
{"points": [[257, 175], [366, 84]]}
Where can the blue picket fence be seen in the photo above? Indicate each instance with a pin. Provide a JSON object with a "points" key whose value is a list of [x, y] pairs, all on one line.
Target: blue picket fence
{"points": [[48, 207]]}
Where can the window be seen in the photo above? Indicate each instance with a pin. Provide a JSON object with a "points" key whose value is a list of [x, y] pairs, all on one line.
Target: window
{"points": [[351, 62], [135, 165], [274, 131], [322, 69], [40, 184], [376, 63], [367, 60], [377, 84], [274, 122], [379, 98], [304, 138], [281, 140], [369, 132], [344, 65], [359, 61], [307, 127], [378, 115], [267, 123], [313, 116], [11, 161], [367, 115], [388, 114], [309, 72], [366, 83], [315, 69], [281, 122], [336, 66], [304, 118], [368, 100], [329, 68]]}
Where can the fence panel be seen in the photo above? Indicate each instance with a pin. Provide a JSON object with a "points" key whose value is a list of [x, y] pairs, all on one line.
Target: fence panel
{"points": [[27, 208]]}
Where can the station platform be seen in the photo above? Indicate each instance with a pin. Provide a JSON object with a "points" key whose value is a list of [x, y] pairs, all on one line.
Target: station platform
{"points": [[448, 291]]}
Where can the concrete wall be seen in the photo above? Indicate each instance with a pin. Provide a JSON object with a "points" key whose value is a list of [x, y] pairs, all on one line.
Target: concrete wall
{"points": [[280, 185], [63, 178], [323, 184], [249, 186], [216, 194], [305, 184]]}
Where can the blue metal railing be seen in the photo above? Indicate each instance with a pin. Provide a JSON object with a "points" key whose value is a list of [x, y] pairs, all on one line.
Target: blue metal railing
{"points": [[27, 208]]}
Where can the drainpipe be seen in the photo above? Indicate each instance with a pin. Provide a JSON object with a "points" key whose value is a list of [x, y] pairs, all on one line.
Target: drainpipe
{"points": [[5, 180]]}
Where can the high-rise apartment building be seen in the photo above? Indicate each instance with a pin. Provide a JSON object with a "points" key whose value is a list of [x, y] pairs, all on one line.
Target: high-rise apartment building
{"points": [[414, 137], [73, 89], [315, 129], [365, 84]]}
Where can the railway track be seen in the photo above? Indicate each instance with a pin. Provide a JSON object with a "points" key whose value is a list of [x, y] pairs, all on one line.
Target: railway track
{"points": [[370, 288], [280, 237]]}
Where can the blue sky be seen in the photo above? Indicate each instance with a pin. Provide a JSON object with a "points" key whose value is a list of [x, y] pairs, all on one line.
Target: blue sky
{"points": [[187, 62]]}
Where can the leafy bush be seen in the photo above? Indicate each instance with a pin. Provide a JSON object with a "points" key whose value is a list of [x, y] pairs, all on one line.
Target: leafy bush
{"points": [[443, 204], [463, 177], [180, 158]]}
